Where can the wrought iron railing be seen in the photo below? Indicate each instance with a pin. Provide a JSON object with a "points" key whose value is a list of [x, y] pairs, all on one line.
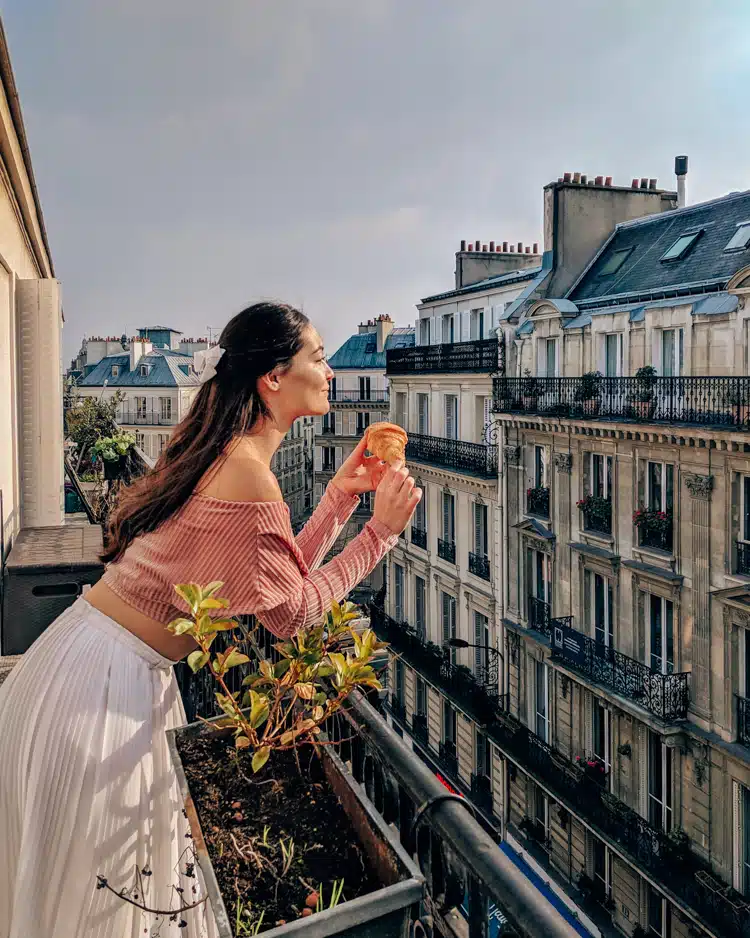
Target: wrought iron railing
{"points": [[659, 538], [448, 758], [537, 502], [743, 721], [447, 550], [704, 401], [597, 521], [481, 791], [358, 397], [419, 728], [480, 356], [398, 708], [475, 458], [419, 537], [479, 565], [147, 419], [743, 558], [667, 696]]}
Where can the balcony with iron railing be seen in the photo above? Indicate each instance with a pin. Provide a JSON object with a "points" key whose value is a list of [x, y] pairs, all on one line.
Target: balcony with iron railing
{"points": [[448, 758], [537, 502], [447, 550], [419, 728], [716, 402], [419, 537], [479, 565], [666, 696], [597, 514], [743, 721], [477, 459], [142, 418], [540, 617], [358, 397], [480, 356]]}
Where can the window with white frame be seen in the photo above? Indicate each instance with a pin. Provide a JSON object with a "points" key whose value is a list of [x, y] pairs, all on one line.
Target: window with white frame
{"points": [[115, 371], [449, 517], [541, 699], [140, 408], [540, 467], [548, 362], [613, 355], [599, 607], [162, 440], [420, 606], [741, 838], [400, 415], [423, 414], [481, 753], [424, 331], [329, 459], [165, 408], [481, 646], [449, 328], [363, 422], [672, 350], [480, 529], [601, 733], [540, 815], [449, 722], [140, 439], [451, 417], [476, 324], [448, 604], [599, 475], [329, 422], [538, 575], [657, 910], [365, 388], [659, 782], [661, 634], [601, 868], [398, 592], [144, 370]]}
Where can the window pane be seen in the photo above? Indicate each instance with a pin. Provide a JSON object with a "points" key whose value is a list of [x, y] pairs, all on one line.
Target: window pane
{"points": [[599, 619], [654, 486], [667, 352], [550, 369], [740, 239], [679, 247], [669, 635], [746, 507], [610, 368], [656, 632]]}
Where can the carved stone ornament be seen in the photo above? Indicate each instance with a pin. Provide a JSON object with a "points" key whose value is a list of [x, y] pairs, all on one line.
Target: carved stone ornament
{"points": [[512, 455], [699, 486], [563, 462]]}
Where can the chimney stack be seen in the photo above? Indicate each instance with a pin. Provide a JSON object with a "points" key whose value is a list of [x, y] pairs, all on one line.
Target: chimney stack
{"points": [[680, 169], [607, 180], [599, 181], [520, 247], [505, 247], [492, 246], [536, 248], [634, 184], [463, 245]]}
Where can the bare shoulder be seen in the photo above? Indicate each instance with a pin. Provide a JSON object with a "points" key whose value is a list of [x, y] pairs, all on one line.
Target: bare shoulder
{"points": [[241, 478]]}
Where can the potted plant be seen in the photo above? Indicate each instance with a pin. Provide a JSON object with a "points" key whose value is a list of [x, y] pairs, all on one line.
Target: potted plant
{"points": [[679, 844], [593, 769], [739, 399], [588, 391], [597, 512], [654, 526], [642, 399], [113, 452], [279, 838], [529, 391]]}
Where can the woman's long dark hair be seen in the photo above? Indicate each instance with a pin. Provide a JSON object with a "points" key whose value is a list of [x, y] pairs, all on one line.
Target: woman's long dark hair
{"points": [[256, 341]]}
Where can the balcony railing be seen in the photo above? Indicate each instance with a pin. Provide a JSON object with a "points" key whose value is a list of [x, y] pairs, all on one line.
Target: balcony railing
{"points": [[474, 458], [665, 695], [479, 565], [654, 533], [397, 708], [479, 356], [705, 401], [743, 721], [419, 728], [743, 558], [358, 397], [540, 617], [448, 758], [133, 418], [419, 537], [537, 502], [481, 791], [597, 518], [447, 550]]}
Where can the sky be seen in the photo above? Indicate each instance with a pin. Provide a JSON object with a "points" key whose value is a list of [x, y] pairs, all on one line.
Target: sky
{"points": [[194, 157]]}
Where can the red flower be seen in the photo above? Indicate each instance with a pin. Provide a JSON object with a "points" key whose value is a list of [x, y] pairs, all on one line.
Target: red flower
{"points": [[528, 491]]}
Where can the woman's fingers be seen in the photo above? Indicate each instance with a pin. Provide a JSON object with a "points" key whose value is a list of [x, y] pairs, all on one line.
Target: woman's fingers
{"points": [[359, 450]]}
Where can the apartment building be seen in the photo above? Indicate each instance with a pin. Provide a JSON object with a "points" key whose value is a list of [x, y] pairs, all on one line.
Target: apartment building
{"points": [[293, 466]]}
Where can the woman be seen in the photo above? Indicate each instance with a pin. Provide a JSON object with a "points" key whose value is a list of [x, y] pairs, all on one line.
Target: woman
{"points": [[86, 785]]}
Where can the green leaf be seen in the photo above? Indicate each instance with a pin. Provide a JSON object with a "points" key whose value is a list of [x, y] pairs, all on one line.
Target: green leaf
{"points": [[337, 660], [281, 667], [223, 625], [191, 593], [213, 603], [180, 626], [212, 588], [251, 679], [260, 758], [259, 709], [227, 704], [234, 658], [196, 660], [325, 670]]}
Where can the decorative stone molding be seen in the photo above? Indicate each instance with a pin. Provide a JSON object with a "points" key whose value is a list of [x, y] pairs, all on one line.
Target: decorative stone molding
{"points": [[699, 486], [735, 616], [563, 462], [512, 455], [539, 543]]}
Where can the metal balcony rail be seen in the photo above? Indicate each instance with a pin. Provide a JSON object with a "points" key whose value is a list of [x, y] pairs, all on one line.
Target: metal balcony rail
{"points": [[479, 565], [358, 397], [397, 708], [666, 696], [145, 418], [703, 401], [481, 791], [475, 458], [419, 728], [479, 356], [419, 537], [448, 758], [447, 550], [743, 558], [743, 721], [540, 617], [598, 520], [537, 502]]}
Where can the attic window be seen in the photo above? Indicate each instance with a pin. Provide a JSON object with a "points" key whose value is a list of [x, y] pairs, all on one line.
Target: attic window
{"points": [[144, 371], [115, 371], [614, 262], [741, 238], [681, 246]]}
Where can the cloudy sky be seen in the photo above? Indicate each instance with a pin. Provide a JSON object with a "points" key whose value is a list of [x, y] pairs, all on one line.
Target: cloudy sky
{"points": [[192, 157]]}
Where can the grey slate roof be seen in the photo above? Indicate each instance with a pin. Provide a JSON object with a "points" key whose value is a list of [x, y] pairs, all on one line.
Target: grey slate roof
{"points": [[361, 351], [644, 272], [165, 372], [515, 276]]}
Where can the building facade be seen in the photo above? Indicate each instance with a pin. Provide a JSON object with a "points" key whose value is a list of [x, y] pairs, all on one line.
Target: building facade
{"points": [[605, 735]]}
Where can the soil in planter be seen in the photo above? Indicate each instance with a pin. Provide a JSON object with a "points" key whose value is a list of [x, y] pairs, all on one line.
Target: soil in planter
{"points": [[250, 815]]}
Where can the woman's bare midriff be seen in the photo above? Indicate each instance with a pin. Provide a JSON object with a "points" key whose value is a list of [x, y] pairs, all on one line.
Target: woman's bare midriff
{"points": [[150, 631]]}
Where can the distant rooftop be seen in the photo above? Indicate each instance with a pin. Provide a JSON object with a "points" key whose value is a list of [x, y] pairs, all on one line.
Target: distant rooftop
{"points": [[361, 351], [167, 368], [514, 276]]}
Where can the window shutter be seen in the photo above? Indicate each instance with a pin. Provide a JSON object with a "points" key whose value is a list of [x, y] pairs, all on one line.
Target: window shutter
{"points": [[318, 458], [449, 422], [477, 532], [587, 475], [446, 618], [486, 418], [435, 334], [737, 845], [641, 470], [318, 425], [351, 421], [643, 773], [465, 318], [589, 703], [339, 457], [478, 640]]}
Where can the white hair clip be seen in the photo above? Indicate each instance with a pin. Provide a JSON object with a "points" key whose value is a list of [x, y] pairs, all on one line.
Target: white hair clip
{"points": [[205, 363]]}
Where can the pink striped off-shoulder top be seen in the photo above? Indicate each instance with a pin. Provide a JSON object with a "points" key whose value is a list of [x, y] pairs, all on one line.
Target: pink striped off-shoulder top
{"points": [[250, 546]]}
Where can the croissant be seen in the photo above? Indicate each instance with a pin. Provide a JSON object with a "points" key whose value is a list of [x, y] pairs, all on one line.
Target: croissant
{"points": [[387, 441]]}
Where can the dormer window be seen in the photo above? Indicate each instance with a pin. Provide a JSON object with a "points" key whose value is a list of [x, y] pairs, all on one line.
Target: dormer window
{"points": [[741, 238], [681, 246], [115, 371], [144, 369], [614, 262]]}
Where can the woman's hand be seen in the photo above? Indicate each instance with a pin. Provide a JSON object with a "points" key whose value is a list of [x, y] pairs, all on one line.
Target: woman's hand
{"points": [[396, 498], [359, 473]]}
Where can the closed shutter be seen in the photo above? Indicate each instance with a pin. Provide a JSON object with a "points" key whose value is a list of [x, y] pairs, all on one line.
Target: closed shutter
{"points": [[351, 423], [641, 470], [478, 641], [643, 770], [446, 618], [436, 336], [339, 457], [318, 458], [422, 403], [448, 516], [589, 704], [737, 845], [318, 425], [318, 492], [486, 424], [450, 416], [465, 318]]}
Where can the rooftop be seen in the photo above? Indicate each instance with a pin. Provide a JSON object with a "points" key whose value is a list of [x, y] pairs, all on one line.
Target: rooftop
{"points": [[164, 371], [515, 276], [361, 351]]}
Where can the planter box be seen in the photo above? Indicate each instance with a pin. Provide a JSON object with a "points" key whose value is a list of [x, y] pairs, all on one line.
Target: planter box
{"points": [[385, 913]]}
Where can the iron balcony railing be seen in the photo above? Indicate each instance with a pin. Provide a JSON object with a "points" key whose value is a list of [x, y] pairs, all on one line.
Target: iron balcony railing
{"points": [[474, 458], [479, 565], [419, 537], [397, 708], [481, 791], [598, 521], [419, 728], [537, 502], [447, 550], [448, 758], [358, 397], [133, 418], [743, 558], [743, 721], [704, 401], [666, 696], [660, 538], [540, 617], [479, 356]]}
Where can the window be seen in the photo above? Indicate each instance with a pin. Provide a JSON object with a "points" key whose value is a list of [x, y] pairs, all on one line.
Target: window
{"points": [[482, 646], [398, 592], [540, 587], [449, 517], [400, 416], [140, 439], [672, 352], [420, 694], [542, 701], [658, 913], [601, 732], [448, 328], [740, 239], [365, 388], [451, 417], [601, 868], [660, 486], [449, 723], [481, 754], [599, 607], [681, 246], [332, 389], [476, 324], [363, 422], [548, 358], [329, 422], [419, 606], [329, 459], [480, 529], [115, 371], [163, 439], [165, 408], [745, 508], [659, 782], [424, 331], [419, 520], [541, 814], [614, 262], [423, 414], [449, 623], [661, 625], [613, 355], [540, 473], [140, 408], [144, 370], [398, 679], [600, 475]]}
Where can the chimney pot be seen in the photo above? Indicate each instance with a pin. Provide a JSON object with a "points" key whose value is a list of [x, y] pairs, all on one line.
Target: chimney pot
{"points": [[584, 179], [567, 177], [608, 181], [511, 249], [680, 165], [634, 184], [527, 249], [599, 181], [652, 183], [520, 247], [463, 245], [536, 247], [577, 178], [484, 248], [498, 248], [505, 247], [644, 182], [492, 246], [559, 179], [470, 246], [477, 245]]}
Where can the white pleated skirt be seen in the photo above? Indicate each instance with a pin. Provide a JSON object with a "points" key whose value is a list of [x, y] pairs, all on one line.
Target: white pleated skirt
{"points": [[87, 789]]}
